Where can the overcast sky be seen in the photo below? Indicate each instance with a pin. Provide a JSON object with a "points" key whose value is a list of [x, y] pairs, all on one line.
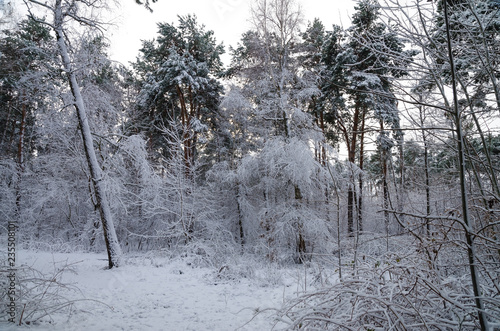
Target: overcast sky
{"points": [[227, 18]]}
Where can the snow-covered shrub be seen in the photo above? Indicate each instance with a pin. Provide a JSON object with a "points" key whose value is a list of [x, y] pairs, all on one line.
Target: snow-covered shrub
{"points": [[152, 203], [40, 295], [279, 191], [396, 290]]}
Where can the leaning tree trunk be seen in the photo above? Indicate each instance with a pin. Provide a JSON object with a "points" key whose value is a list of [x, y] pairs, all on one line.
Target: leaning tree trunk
{"points": [[110, 238], [468, 222]]}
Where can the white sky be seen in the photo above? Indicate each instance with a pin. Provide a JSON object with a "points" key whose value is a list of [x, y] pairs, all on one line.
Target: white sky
{"points": [[227, 18]]}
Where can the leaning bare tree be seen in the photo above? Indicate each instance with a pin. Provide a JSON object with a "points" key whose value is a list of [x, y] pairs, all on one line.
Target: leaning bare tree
{"points": [[64, 12]]}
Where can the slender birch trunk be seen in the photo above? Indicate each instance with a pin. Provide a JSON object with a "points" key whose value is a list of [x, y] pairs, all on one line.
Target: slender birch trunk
{"points": [[110, 238]]}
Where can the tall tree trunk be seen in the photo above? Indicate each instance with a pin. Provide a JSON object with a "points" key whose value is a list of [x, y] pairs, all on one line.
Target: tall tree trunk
{"points": [[186, 141], [427, 179], [426, 168], [350, 208], [323, 143], [385, 187], [338, 233], [361, 164], [402, 191], [110, 238], [12, 136], [317, 146], [468, 222], [351, 194], [20, 156], [240, 216], [301, 243]]}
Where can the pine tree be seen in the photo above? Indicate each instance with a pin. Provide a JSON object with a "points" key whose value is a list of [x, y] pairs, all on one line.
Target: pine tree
{"points": [[178, 84], [313, 39], [26, 65], [359, 65]]}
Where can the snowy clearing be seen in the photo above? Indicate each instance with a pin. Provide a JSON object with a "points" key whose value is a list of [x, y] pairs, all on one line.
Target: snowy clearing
{"points": [[155, 293]]}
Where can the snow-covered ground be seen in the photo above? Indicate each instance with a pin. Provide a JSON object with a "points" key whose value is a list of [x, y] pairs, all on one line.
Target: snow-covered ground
{"points": [[150, 292]]}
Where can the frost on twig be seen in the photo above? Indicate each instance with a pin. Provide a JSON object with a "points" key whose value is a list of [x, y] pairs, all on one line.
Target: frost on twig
{"points": [[388, 293], [40, 296]]}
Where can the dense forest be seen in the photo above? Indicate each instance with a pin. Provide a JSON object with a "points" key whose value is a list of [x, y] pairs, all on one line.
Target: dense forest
{"points": [[372, 149]]}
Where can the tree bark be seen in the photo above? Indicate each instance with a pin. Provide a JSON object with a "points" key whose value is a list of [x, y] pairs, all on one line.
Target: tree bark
{"points": [[301, 243], [361, 164], [351, 194], [323, 143], [469, 226], [402, 190], [20, 157], [110, 238], [385, 186], [427, 175], [240, 217]]}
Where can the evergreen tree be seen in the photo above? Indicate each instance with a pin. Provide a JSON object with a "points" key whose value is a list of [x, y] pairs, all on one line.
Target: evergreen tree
{"points": [[177, 82], [313, 39], [359, 66], [26, 74]]}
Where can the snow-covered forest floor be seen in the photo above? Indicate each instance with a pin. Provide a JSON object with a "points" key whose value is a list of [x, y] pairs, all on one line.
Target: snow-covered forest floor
{"points": [[152, 291]]}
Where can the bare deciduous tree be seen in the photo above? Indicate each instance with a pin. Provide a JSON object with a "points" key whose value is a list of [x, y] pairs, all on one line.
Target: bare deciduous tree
{"points": [[63, 11]]}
